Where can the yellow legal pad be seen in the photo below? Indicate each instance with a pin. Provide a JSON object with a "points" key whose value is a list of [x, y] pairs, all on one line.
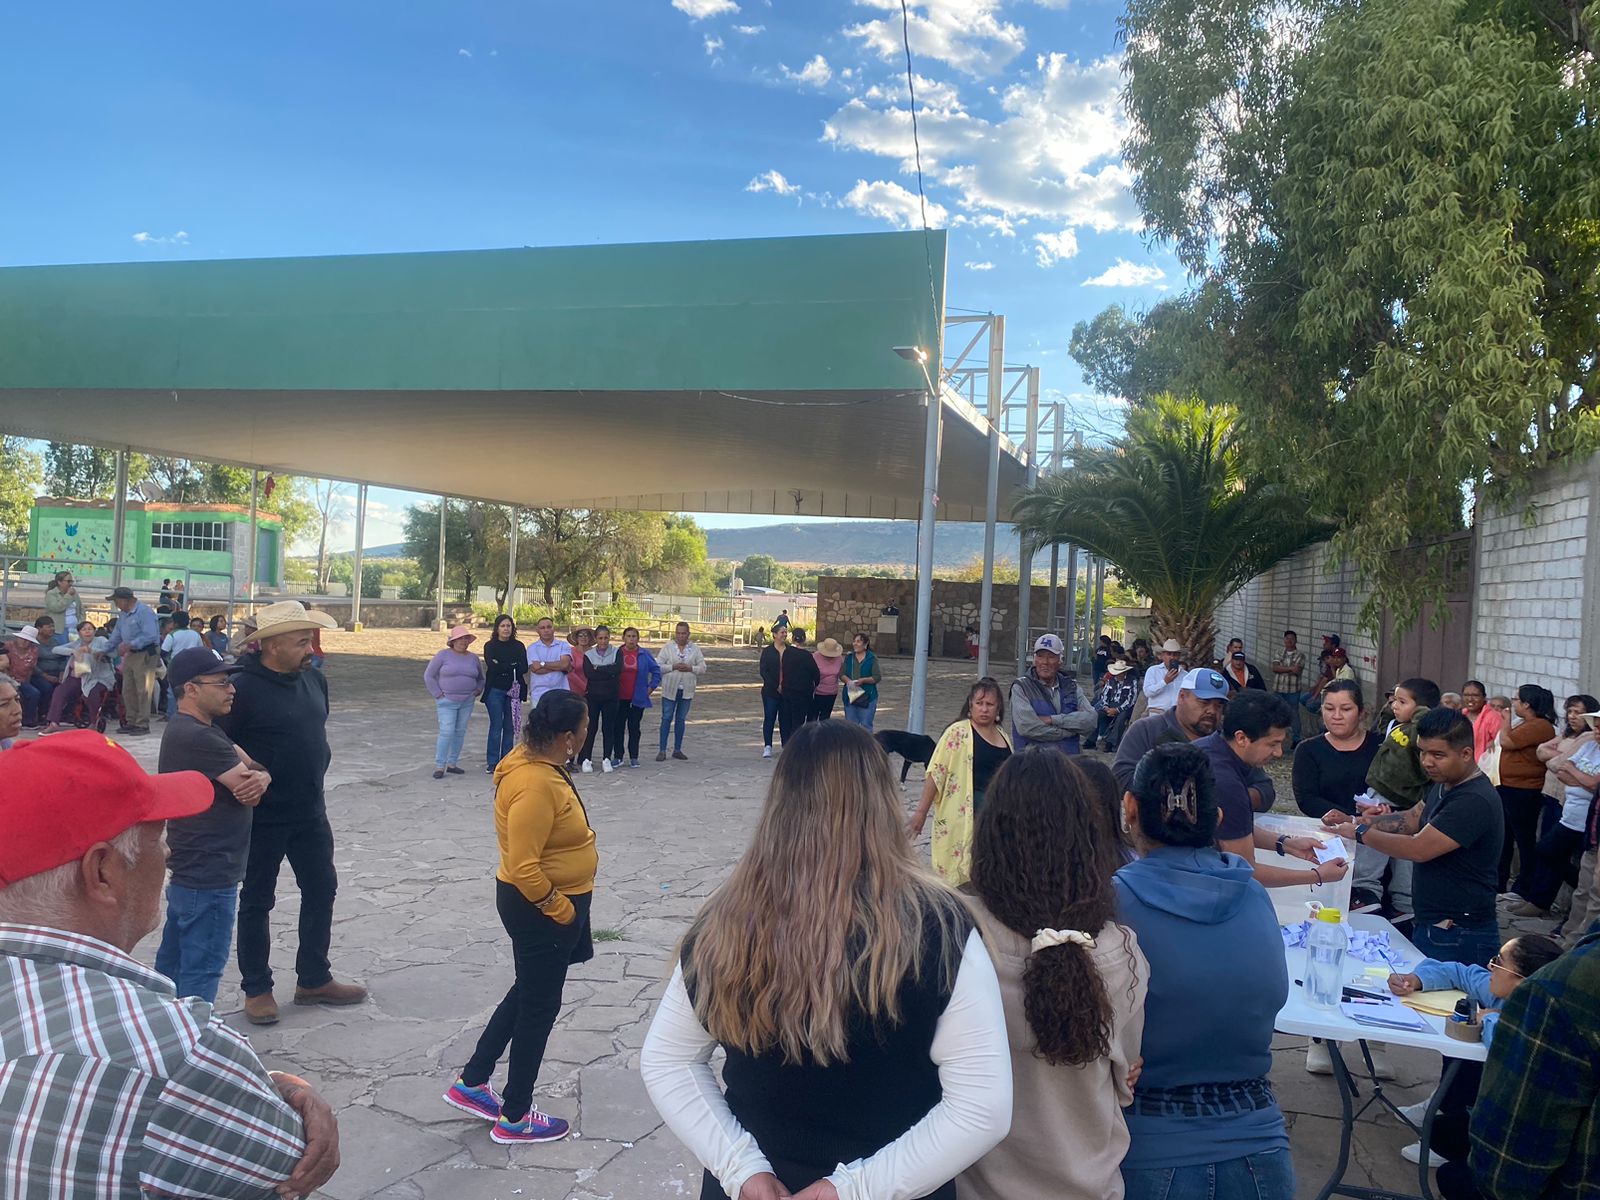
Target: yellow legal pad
{"points": [[1439, 1003]]}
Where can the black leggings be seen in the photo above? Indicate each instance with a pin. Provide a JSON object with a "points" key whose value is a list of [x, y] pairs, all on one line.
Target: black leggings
{"points": [[628, 720], [1522, 807], [602, 720], [541, 951], [792, 713]]}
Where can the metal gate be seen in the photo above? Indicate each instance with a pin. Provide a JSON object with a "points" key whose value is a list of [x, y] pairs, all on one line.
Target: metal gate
{"points": [[1439, 650]]}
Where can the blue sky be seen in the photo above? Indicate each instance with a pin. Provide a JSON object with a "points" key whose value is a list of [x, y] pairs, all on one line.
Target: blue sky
{"points": [[189, 130]]}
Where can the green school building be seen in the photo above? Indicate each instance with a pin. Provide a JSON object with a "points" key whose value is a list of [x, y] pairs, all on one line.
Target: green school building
{"points": [[161, 540]]}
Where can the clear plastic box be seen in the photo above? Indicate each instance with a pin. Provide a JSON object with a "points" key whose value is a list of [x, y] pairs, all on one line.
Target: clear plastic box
{"points": [[1290, 902]]}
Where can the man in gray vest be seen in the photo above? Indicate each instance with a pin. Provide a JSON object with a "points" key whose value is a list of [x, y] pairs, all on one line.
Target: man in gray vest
{"points": [[1045, 708]]}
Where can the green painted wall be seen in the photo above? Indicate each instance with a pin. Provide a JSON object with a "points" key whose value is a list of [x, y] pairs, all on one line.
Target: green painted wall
{"points": [[70, 534], [777, 314]]}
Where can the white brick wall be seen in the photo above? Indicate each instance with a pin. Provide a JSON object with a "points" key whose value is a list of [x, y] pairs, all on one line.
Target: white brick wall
{"points": [[1536, 617], [1529, 605]]}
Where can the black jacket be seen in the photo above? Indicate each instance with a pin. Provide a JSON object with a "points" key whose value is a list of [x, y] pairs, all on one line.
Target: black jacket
{"points": [[605, 681], [281, 721], [798, 671], [504, 662]]}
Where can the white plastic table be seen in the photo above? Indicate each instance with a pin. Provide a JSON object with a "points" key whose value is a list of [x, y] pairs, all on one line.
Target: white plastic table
{"points": [[1299, 1017]]}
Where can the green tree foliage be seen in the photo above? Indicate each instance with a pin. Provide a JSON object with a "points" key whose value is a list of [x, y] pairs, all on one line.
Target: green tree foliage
{"points": [[1394, 208], [21, 472], [1170, 505], [85, 472]]}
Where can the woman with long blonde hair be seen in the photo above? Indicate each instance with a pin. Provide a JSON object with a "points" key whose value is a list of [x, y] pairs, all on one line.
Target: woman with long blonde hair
{"points": [[852, 994]]}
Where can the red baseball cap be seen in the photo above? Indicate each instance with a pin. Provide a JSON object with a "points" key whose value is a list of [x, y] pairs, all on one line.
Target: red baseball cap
{"points": [[62, 794]]}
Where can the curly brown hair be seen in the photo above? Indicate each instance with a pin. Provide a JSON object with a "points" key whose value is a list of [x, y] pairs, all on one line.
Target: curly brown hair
{"points": [[1043, 855]]}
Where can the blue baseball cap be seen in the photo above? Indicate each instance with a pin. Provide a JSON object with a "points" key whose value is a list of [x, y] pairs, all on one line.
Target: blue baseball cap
{"points": [[1206, 683]]}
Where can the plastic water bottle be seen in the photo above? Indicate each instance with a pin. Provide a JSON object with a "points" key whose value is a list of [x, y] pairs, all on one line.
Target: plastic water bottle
{"points": [[1326, 943]]}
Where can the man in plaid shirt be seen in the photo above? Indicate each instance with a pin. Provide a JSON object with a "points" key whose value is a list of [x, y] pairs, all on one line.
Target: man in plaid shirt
{"points": [[110, 1085], [1536, 1123]]}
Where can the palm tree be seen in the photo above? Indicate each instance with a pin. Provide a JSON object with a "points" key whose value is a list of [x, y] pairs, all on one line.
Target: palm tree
{"points": [[1168, 504]]}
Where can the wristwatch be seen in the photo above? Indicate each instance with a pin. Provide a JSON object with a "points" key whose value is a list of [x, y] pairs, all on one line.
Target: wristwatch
{"points": [[1361, 833]]}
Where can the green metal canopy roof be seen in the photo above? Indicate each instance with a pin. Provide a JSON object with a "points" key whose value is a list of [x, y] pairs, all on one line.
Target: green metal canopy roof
{"points": [[741, 376]]}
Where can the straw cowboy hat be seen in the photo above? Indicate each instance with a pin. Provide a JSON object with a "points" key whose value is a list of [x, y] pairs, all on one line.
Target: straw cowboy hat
{"points": [[288, 616], [830, 648], [1172, 646]]}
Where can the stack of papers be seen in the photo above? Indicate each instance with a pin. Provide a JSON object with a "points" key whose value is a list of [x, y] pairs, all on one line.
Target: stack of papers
{"points": [[1332, 848], [1384, 1012], [1440, 1003]]}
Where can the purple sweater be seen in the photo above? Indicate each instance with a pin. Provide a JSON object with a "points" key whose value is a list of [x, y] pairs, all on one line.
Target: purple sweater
{"points": [[452, 676]]}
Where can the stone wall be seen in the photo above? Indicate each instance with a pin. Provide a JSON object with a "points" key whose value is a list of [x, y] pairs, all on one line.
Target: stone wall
{"points": [[847, 605]]}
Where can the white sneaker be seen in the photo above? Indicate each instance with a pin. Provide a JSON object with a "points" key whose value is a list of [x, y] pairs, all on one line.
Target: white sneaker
{"points": [[588, 766], [605, 765], [1413, 1152], [1416, 1112], [1318, 1060], [766, 752]]}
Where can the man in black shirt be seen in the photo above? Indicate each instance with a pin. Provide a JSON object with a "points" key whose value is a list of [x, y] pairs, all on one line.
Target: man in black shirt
{"points": [[1453, 836], [280, 718], [206, 852]]}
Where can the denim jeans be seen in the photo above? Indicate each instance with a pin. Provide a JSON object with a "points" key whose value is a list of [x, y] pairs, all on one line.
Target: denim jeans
{"points": [[541, 952], [769, 717], [35, 695], [862, 714], [308, 845], [1474, 944], [453, 718], [197, 938], [674, 713], [502, 731], [1268, 1176]]}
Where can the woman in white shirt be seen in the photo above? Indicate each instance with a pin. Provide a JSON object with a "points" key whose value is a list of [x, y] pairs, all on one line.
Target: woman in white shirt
{"points": [[857, 1006]]}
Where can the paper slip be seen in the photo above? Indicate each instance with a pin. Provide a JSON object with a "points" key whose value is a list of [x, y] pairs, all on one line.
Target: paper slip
{"points": [[1386, 1013], [1331, 849], [1439, 1003]]}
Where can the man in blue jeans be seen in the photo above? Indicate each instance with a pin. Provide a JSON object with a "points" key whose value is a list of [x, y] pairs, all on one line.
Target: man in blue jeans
{"points": [[1453, 837], [206, 851]]}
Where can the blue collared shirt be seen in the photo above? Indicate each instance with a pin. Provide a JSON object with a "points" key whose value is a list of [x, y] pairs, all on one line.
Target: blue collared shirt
{"points": [[137, 628]]}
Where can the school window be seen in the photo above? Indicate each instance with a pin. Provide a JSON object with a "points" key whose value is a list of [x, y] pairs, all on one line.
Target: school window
{"points": [[189, 535]]}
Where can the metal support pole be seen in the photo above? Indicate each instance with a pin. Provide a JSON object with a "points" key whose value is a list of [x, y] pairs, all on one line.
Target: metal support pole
{"points": [[119, 519], [250, 571], [991, 507], [1098, 613], [511, 561], [444, 512], [361, 537], [1025, 548], [917, 708], [1055, 551], [1070, 623]]}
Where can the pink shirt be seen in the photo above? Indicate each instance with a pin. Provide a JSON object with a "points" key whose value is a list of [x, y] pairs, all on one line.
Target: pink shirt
{"points": [[829, 668]]}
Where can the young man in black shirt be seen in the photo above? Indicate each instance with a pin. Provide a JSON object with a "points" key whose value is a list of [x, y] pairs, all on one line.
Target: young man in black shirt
{"points": [[1453, 836], [206, 852]]}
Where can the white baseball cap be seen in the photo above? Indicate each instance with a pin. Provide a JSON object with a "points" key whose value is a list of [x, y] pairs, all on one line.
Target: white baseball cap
{"points": [[1049, 642]]}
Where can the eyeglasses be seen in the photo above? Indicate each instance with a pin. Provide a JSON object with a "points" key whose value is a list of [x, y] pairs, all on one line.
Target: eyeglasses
{"points": [[1498, 964], [227, 683]]}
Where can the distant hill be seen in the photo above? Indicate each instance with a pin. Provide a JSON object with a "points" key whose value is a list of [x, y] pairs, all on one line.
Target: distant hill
{"points": [[858, 543]]}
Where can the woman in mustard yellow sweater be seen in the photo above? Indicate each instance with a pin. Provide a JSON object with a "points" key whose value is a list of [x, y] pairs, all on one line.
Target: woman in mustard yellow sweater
{"points": [[542, 892]]}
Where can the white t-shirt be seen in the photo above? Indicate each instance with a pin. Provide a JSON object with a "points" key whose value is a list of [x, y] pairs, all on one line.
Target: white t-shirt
{"points": [[180, 640], [1575, 808], [1158, 693], [551, 681]]}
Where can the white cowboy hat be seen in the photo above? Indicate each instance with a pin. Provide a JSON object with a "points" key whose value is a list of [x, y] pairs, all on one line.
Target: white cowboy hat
{"points": [[1172, 646], [288, 616], [29, 633], [1120, 668]]}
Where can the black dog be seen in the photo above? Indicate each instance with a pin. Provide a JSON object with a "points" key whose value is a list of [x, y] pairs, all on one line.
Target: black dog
{"points": [[911, 747]]}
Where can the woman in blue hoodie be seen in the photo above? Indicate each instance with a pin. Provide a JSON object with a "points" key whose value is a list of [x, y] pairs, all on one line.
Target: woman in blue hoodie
{"points": [[1204, 1120]]}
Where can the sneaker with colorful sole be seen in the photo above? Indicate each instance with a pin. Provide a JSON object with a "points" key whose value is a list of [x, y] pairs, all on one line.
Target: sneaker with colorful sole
{"points": [[479, 1101], [535, 1127]]}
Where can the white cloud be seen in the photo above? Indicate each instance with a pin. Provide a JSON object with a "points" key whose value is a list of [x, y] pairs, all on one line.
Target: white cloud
{"points": [[1051, 248], [713, 44], [816, 72], [180, 238], [1053, 155], [1127, 275], [967, 34], [699, 10], [888, 201], [931, 94], [772, 181], [465, 53], [979, 266], [749, 30]]}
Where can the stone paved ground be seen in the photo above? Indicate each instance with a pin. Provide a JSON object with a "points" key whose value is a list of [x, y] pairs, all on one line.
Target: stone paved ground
{"points": [[415, 921]]}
